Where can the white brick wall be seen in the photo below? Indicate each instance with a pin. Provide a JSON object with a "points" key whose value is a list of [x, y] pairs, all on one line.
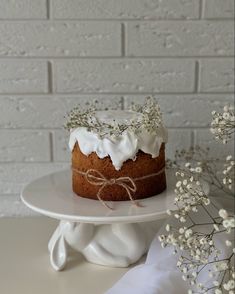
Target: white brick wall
{"points": [[24, 146], [13, 176], [23, 76], [216, 75], [70, 38], [124, 75], [169, 38], [125, 9], [55, 54], [214, 9], [23, 9]]}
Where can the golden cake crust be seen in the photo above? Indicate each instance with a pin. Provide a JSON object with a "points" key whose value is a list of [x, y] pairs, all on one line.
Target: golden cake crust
{"points": [[142, 166]]}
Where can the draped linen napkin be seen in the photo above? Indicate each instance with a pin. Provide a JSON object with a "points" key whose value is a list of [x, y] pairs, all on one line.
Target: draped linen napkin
{"points": [[159, 274]]}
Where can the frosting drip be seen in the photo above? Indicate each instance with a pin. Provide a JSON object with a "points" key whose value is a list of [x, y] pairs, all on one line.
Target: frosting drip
{"points": [[119, 148]]}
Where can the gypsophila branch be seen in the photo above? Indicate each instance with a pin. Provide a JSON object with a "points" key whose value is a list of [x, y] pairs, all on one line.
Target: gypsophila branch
{"points": [[198, 248], [196, 242], [199, 162], [223, 124], [147, 116]]}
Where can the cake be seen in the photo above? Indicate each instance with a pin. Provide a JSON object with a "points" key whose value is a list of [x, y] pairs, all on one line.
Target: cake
{"points": [[118, 155]]}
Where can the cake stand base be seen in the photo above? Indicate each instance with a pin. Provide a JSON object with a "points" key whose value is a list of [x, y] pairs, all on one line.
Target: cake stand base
{"points": [[115, 238], [114, 245]]}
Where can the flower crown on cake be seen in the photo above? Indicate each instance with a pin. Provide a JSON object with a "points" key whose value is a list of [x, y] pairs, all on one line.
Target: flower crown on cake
{"points": [[149, 117]]}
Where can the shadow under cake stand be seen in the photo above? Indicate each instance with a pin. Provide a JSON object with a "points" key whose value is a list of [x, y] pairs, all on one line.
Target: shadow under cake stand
{"points": [[115, 238]]}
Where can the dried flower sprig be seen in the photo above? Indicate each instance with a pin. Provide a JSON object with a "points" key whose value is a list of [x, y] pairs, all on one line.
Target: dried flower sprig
{"points": [[77, 117], [151, 114], [223, 127], [223, 124], [195, 244], [199, 161], [229, 173], [195, 241], [149, 118]]}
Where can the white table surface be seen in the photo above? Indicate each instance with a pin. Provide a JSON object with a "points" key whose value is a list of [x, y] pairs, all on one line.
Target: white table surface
{"points": [[25, 267]]}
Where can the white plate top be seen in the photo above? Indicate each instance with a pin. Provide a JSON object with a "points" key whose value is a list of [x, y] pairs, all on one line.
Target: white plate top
{"points": [[52, 196]]}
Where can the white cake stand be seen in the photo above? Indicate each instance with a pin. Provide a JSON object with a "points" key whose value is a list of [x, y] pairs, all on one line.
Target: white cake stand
{"points": [[115, 238]]}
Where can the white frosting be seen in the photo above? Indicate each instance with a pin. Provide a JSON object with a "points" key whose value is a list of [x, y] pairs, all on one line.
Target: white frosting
{"points": [[120, 148]]}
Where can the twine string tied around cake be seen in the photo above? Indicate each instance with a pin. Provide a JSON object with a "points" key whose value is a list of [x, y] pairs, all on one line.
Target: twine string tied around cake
{"points": [[96, 178]]}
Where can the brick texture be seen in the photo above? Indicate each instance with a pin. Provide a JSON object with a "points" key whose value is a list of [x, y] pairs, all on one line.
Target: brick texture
{"points": [[60, 144], [21, 76], [24, 146], [114, 75], [126, 9], [57, 54], [218, 9], [216, 75], [14, 176], [176, 139], [60, 39], [177, 38], [23, 9]]}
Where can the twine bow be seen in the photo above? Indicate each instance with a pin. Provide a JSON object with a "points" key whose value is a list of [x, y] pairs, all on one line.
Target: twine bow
{"points": [[94, 177]]}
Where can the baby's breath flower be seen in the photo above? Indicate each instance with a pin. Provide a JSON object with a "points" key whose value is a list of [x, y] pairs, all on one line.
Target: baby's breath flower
{"points": [[188, 233], [185, 182], [229, 172], [150, 119], [169, 212], [223, 213], [198, 169], [182, 219], [184, 278], [168, 227], [222, 125], [178, 184], [181, 230], [197, 247]]}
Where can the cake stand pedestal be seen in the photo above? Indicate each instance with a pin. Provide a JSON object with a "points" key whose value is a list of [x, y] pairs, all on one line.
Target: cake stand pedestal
{"points": [[115, 238]]}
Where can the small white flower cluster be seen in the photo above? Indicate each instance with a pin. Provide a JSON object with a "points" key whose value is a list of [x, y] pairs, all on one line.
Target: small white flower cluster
{"points": [[201, 164], [229, 172], [198, 168], [228, 221], [150, 119], [225, 269], [229, 286], [197, 247], [199, 253], [189, 194], [223, 124]]}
